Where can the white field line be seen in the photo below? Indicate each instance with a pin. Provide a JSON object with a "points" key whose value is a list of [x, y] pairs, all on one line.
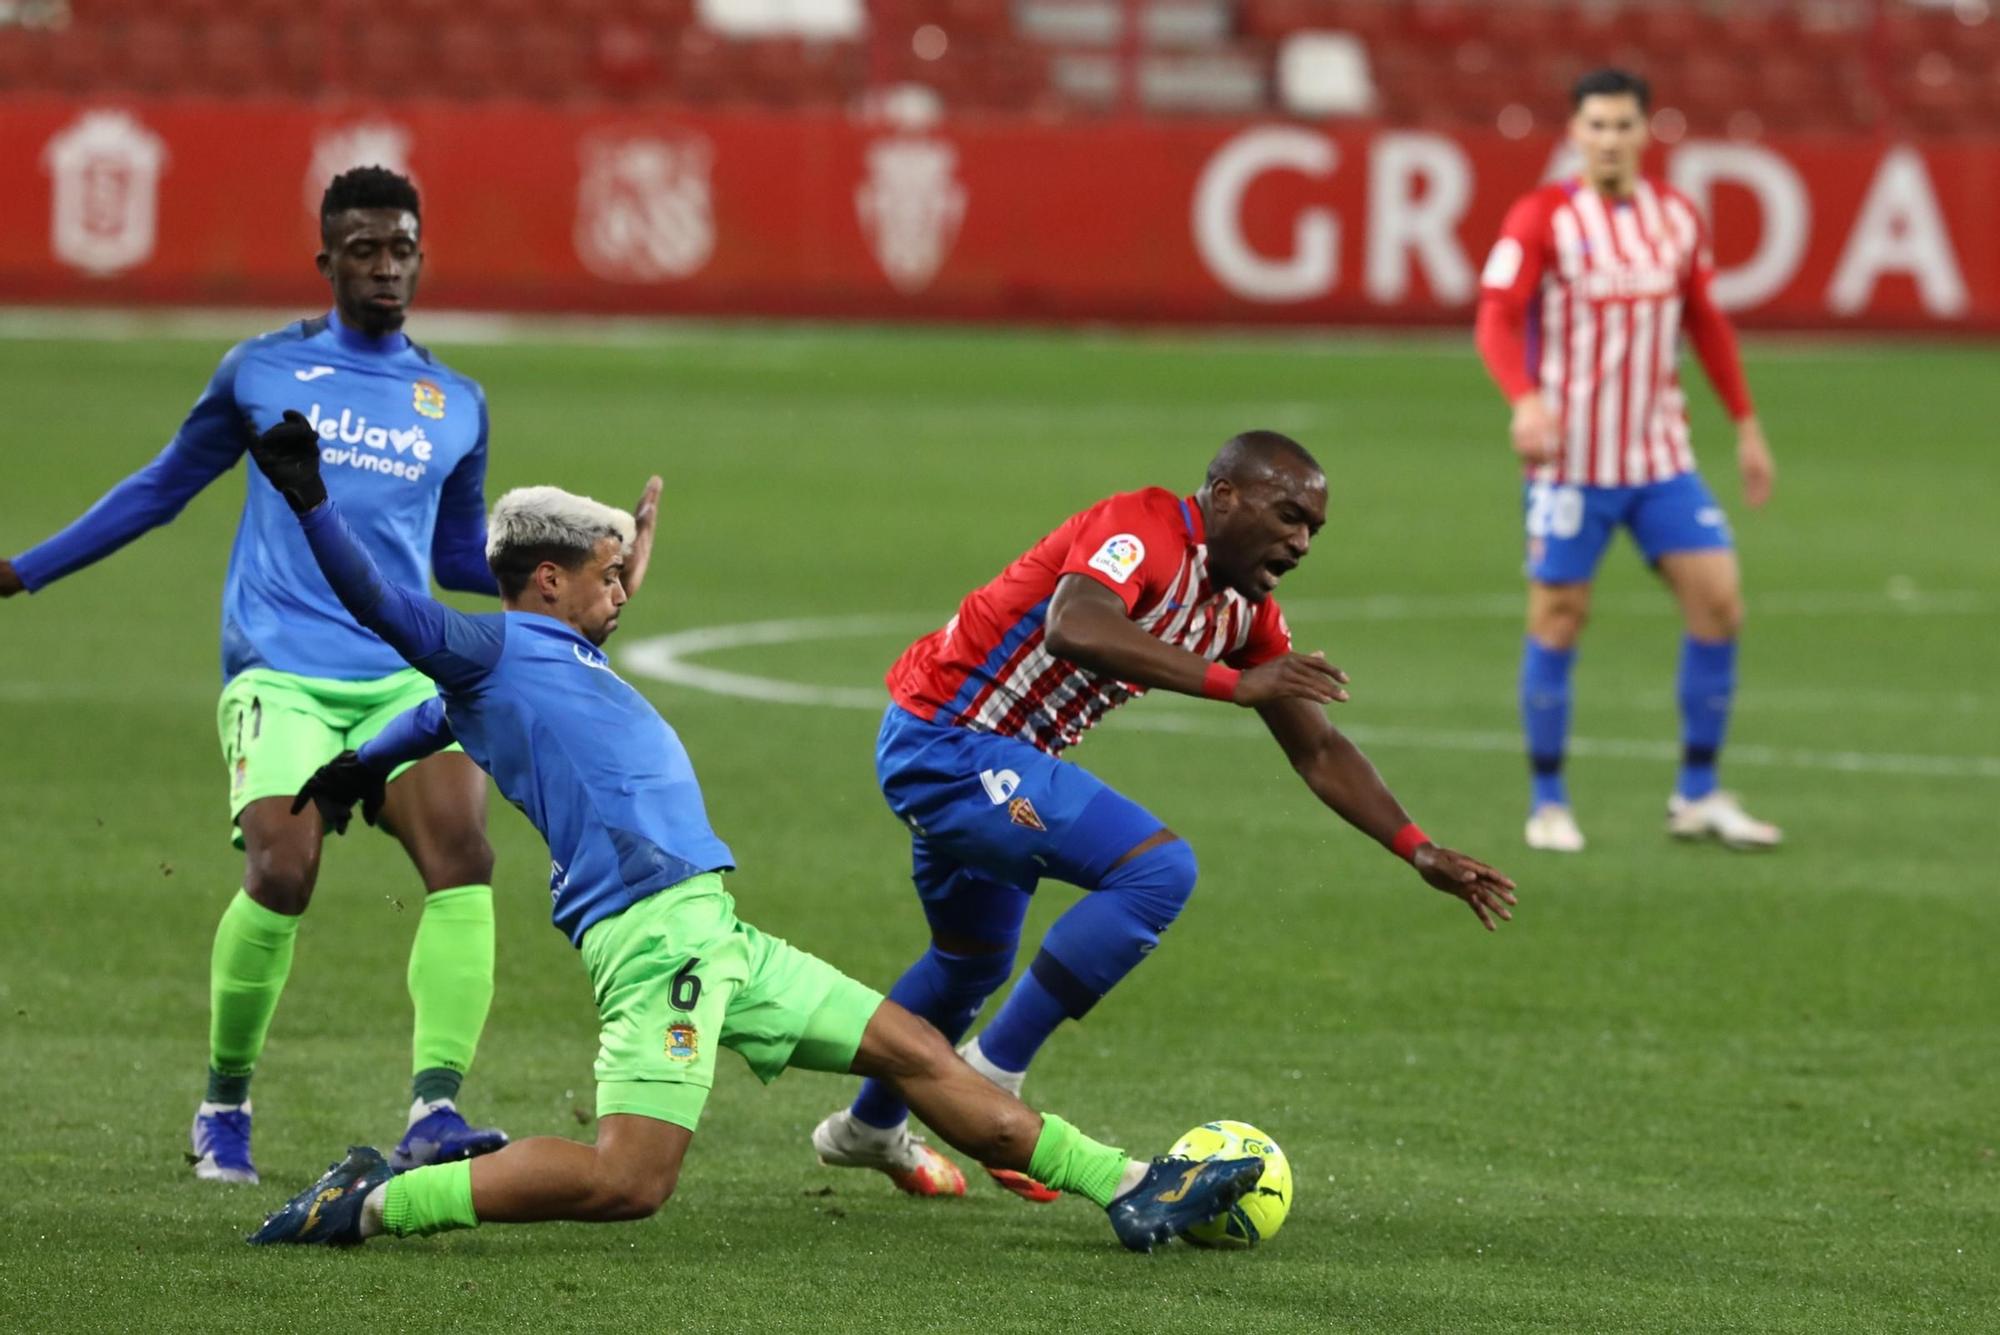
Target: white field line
{"points": [[665, 658]]}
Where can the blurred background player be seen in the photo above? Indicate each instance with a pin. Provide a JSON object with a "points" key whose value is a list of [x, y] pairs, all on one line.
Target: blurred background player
{"points": [[406, 440], [1583, 300], [1144, 590], [637, 888]]}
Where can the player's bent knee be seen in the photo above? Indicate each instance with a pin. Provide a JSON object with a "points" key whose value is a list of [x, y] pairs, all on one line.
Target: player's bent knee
{"points": [[1158, 882], [280, 879], [637, 1194], [899, 1046], [1728, 616], [467, 861]]}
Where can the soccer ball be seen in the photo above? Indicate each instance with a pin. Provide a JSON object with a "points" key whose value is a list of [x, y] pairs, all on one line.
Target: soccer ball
{"points": [[1258, 1216]]}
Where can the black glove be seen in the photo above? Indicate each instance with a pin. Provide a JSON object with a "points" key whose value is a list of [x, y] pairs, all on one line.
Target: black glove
{"points": [[337, 785], [288, 454]]}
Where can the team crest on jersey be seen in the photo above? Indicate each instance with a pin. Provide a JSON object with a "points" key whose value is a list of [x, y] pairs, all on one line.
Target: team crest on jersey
{"points": [[683, 1041], [1022, 812], [1119, 556], [428, 399]]}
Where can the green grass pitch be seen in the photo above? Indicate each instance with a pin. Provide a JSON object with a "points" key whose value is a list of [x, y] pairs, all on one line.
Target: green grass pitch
{"points": [[1684, 1090]]}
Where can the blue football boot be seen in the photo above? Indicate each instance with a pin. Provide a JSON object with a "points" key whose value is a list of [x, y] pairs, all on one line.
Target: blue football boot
{"points": [[1178, 1194], [219, 1144], [328, 1213], [442, 1135]]}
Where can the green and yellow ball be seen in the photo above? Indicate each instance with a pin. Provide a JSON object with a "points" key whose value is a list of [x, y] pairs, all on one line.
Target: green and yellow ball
{"points": [[1259, 1215]]}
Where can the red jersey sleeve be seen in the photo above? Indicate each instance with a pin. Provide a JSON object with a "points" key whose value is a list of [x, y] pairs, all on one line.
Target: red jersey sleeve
{"points": [[1269, 638], [1708, 328], [1513, 273], [1130, 546]]}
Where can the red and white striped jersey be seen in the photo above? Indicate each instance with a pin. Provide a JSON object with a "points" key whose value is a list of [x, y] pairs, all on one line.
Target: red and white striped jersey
{"points": [[1606, 284], [988, 668]]}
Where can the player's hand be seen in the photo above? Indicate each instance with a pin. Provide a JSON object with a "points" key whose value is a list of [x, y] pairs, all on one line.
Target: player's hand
{"points": [[1485, 891], [1293, 677], [337, 785], [1753, 457], [10, 580], [288, 454], [645, 518], [1534, 430]]}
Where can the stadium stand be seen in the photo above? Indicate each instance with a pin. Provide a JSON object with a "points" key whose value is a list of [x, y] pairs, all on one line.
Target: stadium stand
{"points": [[1721, 68]]}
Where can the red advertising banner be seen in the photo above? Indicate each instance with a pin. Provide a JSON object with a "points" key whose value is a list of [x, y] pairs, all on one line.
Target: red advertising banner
{"points": [[670, 212]]}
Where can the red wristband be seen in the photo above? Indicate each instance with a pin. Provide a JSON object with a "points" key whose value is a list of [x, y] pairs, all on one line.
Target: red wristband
{"points": [[1407, 841], [1219, 682]]}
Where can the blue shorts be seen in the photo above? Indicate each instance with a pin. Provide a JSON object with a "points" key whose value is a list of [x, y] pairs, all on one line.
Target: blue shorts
{"points": [[1569, 527], [990, 816]]}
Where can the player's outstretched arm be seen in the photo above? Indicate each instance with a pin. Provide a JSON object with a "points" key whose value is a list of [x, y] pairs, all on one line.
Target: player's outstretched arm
{"points": [[1342, 777], [208, 445], [1087, 625], [445, 645]]}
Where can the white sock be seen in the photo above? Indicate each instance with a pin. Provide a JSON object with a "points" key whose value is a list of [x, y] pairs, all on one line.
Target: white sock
{"points": [[876, 1135], [371, 1211], [976, 1058], [1135, 1173], [208, 1109], [421, 1109]]}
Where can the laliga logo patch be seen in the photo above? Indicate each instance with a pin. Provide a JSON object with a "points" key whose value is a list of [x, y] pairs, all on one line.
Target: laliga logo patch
{"points": [[1119, 556], [683, 1042], [427, 399], [1022, 812]]}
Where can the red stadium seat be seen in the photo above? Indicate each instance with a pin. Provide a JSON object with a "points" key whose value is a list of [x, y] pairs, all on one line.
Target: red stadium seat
{"points": [[236, 57], [1530, 27], [1670, 30], [551, 62], [379, 57], [699, 68], [1442, 22], [155, 59], [626, 58], [299, 54], [25, 63], [469, 61]]}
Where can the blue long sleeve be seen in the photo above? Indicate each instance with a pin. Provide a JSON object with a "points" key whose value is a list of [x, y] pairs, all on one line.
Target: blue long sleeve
{"points": [[208, 445], [458, 548], [451, 648], [409, 736]]}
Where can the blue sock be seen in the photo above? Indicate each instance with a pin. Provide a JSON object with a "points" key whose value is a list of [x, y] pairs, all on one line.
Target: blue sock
{"points": [[1545, 717], [1707, 681], [1099, 940], [947, 990]]}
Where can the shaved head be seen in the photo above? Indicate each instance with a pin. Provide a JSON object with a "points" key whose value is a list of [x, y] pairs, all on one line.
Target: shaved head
{"points": [[1264, 502], [1257, 454]]}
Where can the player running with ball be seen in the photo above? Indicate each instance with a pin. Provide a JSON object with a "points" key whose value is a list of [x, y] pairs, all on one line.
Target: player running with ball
{"points": [[1146, 590], [1582, 305], [637, 887]]}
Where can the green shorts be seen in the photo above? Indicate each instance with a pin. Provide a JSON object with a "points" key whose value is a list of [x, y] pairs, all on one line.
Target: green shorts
{"points": [[678, 976], [278, 728]]}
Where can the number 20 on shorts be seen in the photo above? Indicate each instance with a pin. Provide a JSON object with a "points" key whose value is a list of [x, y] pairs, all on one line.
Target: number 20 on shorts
{"points": [[1553, 511]]}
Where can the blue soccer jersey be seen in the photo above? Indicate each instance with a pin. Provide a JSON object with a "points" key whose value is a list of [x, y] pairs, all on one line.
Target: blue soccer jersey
{"points": [[585, 757], [403, 447]]}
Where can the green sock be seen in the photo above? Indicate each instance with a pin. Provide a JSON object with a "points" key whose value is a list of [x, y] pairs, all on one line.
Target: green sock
{"points": [[1068, 1160], [451, 987], [429, 1200], [246, 972]]}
